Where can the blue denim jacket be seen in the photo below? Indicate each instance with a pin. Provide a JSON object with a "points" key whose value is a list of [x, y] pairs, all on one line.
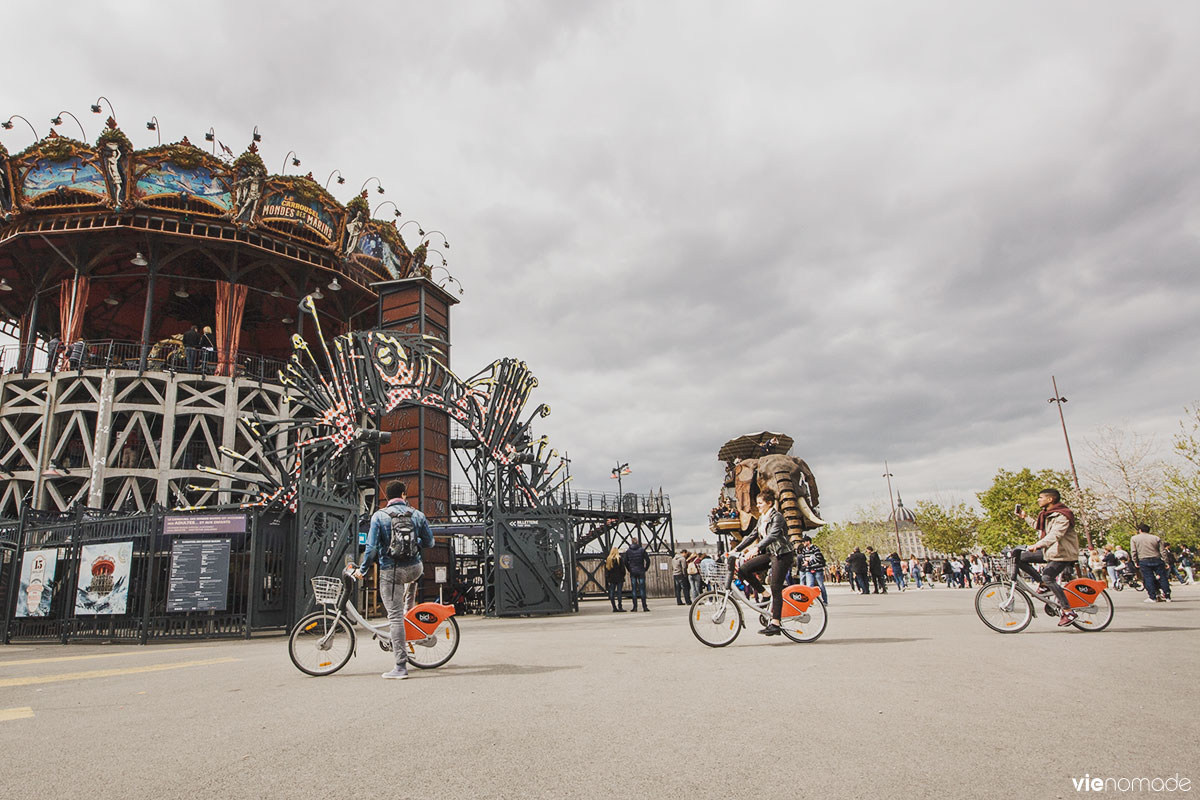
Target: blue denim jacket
{"points": [[380, 536]]}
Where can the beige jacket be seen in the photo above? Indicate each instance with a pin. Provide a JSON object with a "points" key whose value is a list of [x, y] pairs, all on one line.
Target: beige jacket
{"points": [[1060, 540], [1146, 545]]}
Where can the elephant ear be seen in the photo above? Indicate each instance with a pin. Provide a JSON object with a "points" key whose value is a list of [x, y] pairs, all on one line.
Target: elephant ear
{"points": [[814, 498]]}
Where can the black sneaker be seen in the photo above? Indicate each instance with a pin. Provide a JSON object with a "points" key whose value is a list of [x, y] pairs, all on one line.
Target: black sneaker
{"points": [[771, 630]]}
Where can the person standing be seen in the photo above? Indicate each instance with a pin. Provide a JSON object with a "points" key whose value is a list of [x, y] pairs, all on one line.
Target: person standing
{"points": [[813, 569], [191, 347], [52, 348], [693, 574], [1058, 547], [614, 579], [856, 565], [397, 534], [876, 567], [897, 570], [1112, 564], [1187, 560], [683, 595], [914, 571], [1147, 551], [208, 350], [637, 561]]}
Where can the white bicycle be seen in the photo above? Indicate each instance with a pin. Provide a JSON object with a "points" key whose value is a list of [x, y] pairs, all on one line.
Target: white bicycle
{"points": [[716, 616], [323, 642]]}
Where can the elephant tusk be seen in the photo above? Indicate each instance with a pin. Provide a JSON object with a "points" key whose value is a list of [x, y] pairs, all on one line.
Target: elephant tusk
{"points": [[807, 511]]}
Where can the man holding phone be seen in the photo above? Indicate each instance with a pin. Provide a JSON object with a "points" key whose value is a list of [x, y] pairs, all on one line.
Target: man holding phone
{"points": [[1058, 547]]}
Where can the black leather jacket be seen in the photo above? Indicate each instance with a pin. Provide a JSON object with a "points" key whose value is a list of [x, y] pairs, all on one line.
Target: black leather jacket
{"points": [[771, 535]]}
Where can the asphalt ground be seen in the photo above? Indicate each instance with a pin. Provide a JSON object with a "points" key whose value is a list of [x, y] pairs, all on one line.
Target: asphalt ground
{"points": [[906, 695]]}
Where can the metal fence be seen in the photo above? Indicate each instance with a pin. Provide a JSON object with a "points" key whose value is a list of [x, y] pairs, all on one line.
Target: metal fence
{"points": [[114, 354], [90, 575]]}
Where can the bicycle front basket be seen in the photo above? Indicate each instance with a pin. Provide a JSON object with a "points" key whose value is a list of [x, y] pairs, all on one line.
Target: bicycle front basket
{"points": [[326, 590]]}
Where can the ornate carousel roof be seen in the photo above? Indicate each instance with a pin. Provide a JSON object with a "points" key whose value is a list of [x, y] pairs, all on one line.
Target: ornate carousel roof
{"points": [[72, 208]]}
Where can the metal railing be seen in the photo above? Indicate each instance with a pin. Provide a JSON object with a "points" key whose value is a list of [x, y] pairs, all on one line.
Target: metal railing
{"points": [[114, 354], [463, 495]]}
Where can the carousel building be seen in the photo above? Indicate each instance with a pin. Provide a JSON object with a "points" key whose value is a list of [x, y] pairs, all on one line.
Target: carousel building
{"points": [[150, 297]]}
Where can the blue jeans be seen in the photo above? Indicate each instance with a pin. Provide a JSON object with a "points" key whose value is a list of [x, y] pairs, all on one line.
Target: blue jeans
{"points": [[898, 577], [1154, 577], [817, 579], [614, 593], [637, 588], [916, 576], [860, 580]]}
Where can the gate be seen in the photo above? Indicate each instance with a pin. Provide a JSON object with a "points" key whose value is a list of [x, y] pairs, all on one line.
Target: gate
{"points": [[328, 529], [533, 570]]}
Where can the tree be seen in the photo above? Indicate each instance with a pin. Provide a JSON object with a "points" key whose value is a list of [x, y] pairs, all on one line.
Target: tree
{"points": [[999, 527], [947, 529], [1182, 523], [1129, 479], [838, 540]]}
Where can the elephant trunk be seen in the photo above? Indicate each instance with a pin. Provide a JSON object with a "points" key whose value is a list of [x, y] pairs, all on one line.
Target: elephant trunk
{"points": [[791, 503]]}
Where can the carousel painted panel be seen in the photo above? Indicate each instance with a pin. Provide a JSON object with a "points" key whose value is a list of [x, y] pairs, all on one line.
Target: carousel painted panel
{"points": [[169, 179], [374, 246], [76, 180]]}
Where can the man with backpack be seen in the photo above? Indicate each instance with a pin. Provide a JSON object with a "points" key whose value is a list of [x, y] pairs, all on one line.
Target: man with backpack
{"points": [[398, 532]]}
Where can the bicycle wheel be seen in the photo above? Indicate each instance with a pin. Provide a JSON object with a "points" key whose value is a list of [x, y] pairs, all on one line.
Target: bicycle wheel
{"points": [[1098, 615], [806, 627], [1003, 608], [715, 619], [321, 644], [441, 648]]}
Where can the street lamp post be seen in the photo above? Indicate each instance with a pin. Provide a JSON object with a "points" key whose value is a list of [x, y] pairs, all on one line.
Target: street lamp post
{"points": [[619, 471], [1059, 400], [895, 520]]}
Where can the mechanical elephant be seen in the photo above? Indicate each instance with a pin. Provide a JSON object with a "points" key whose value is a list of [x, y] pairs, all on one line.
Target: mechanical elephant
{"points": [[791, 480]]}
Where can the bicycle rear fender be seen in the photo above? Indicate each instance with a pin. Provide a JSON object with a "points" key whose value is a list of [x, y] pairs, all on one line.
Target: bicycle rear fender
{"points": [[1083, 592], [797, 598], [422, 619]]}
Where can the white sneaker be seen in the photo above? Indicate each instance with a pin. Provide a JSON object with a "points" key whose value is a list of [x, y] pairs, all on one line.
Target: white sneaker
{"points": [[1149, 600], [1166, 599], [398, 674]]}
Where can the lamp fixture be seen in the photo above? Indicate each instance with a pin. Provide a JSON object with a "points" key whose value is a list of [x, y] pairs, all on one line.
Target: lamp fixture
{"points": [[5, 286], [316, 294], [139, 260], [287, 320], [182, 292], [112, 300], [276, 292], [334, 286]]}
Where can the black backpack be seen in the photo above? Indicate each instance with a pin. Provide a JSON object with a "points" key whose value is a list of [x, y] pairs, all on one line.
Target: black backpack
{"points": [[403, 544]]}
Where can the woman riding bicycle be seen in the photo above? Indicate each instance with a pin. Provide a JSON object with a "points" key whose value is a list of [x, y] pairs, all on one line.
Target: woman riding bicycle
{"points": [[771, 548]]}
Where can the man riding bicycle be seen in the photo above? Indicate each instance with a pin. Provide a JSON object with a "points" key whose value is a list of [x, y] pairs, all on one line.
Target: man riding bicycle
{"points": [[1058, 547], [771, 549]]}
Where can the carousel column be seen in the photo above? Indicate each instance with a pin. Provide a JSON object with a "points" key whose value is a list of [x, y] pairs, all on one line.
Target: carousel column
{"points": [[30, 336], [102, 440], [148, 313]]}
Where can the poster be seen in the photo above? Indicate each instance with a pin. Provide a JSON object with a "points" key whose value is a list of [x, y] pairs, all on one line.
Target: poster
{"points": [[37, 583], [199, 575], [103, 578]]}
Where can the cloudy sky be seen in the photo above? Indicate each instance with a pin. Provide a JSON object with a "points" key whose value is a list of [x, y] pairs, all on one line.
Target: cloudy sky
{"points": [[878, 227]]}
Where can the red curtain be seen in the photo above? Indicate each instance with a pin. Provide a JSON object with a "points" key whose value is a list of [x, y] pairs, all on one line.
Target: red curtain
{"points": [[72, 302], [231, 302]]}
